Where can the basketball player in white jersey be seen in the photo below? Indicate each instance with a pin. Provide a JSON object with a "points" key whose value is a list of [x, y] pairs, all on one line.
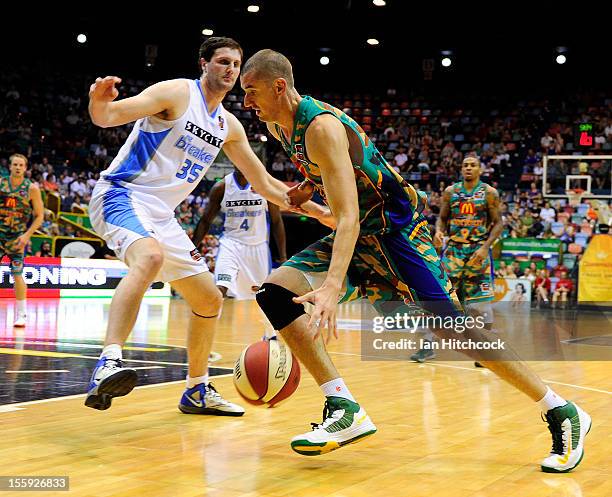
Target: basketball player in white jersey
{"points": [[244, 260], [180, 127]]}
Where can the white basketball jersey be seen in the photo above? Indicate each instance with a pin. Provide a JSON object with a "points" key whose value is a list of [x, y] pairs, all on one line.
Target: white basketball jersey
{"points": [[163, 161], [246, 213]]}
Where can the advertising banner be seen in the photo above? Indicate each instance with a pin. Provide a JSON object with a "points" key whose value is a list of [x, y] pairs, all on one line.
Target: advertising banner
{"points": [[55, 277], [531, 246], [595, 271], [516, 290]]}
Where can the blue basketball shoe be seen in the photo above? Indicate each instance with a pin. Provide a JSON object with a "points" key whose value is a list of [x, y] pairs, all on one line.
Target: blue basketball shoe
{"points": [[109, 379], [204, 399]]}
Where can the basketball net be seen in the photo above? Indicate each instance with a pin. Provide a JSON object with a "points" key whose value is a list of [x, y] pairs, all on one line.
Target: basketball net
{"points": [[574, 196]]}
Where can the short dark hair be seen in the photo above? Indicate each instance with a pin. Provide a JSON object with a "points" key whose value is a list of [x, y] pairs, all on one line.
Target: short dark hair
{"points": [[270, 65], [207, 49]]}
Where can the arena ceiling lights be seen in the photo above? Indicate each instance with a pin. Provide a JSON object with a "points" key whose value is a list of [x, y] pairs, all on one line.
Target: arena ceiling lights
{"points": [[447, 59], [561, 55]]}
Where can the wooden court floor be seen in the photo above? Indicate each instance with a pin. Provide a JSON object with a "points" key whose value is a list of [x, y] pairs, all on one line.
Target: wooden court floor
{"points": [[444, 428]]}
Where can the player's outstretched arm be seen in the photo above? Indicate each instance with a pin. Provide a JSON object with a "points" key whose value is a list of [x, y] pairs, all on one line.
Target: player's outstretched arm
{"points": [[237, 148], [328, 147], [162, 99], [278, 230], [210, 212]]}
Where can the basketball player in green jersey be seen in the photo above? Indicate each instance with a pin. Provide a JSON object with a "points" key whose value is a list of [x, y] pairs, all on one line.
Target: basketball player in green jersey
{"points": [[470, 213], [18, 198], [380, 249]]}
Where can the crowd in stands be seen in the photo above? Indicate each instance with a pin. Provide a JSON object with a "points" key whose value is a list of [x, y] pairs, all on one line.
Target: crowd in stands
{"points": [[424, 140]]}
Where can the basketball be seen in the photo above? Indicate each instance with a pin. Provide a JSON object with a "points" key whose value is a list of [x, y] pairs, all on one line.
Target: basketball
{"points": [[266, 373]]}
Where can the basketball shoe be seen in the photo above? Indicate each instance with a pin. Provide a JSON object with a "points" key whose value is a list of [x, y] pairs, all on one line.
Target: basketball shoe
{"points": [[568, 426], [204, 399], [344, 422], [109, 379], [423, 355], [20, 320]]}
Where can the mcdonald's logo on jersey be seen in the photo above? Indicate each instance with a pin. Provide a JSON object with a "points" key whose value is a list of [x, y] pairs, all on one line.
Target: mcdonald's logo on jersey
{"points": [[466, 208], [11, 202]]}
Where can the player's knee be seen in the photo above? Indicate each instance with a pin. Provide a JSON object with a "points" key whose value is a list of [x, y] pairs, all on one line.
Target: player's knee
{"points": [[149, 264], [277, 304], [210, 305], [223, 290]]}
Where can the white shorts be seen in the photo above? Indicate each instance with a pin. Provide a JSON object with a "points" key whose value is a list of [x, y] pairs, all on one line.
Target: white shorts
{"points": [[121, 217], [242, 268]]}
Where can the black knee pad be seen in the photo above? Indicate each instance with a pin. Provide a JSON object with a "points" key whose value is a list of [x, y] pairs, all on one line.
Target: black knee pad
{"points": [[277, 304]]}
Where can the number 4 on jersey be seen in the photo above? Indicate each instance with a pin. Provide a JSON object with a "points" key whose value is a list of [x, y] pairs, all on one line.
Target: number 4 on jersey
{"points": [[245, 225]]}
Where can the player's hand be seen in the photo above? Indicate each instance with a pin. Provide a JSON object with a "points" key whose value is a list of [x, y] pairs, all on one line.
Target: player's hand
{"points": [[104, 89], [325, 300], [299, 194], [479, 257], [21, 242], [438, 240]]}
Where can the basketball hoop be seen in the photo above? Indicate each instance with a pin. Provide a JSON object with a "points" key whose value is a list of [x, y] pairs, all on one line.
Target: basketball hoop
{"points": [[574, 196]]}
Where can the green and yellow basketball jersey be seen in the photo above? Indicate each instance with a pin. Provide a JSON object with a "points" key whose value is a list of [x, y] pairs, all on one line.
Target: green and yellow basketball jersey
{"points": [[15, 208], [387, 202], [469, 214]]}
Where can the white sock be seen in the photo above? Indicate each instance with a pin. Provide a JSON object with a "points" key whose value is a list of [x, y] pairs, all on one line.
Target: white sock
{"points": [[337, 388], [112, 351], [196, 380], [550, 401], [21, 306]]}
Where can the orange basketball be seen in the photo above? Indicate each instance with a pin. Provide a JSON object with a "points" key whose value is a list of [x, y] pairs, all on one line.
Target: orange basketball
{"points": [[266, 373]]}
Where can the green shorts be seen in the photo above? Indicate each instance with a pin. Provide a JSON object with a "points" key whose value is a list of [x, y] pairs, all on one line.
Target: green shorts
{"points": [[401, 266], [9, 248], [473, 283]]}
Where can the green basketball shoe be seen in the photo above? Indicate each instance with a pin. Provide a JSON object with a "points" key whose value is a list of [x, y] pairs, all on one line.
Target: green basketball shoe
{"points": [[344, 422], [423, 355], [568, 426]]}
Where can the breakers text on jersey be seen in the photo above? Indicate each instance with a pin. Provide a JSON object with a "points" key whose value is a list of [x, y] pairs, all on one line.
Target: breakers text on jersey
{"points": [[184, 143]]}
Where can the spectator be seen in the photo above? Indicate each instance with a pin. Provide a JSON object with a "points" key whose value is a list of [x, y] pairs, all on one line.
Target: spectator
{"points": [[547, 213], [542, 287], [45, 250], [50, 183], [78, 187], [563, 289], [400, 159], [546, 141], [501, 270], [537, 228], [529, 275]]}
